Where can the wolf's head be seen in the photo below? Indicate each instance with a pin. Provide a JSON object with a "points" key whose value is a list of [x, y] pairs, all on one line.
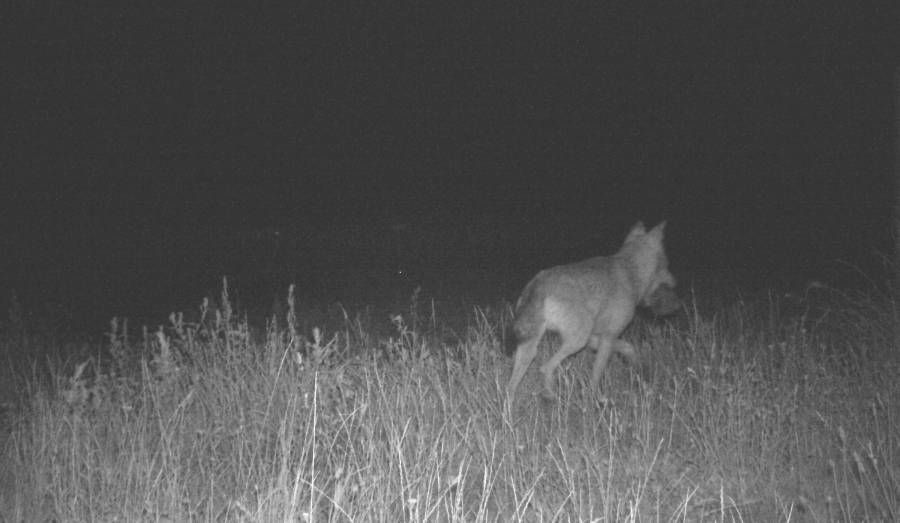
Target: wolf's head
{"points": [[651, 268]]}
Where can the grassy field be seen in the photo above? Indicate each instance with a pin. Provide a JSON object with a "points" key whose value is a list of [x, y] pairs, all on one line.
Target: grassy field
{"points": [[761, 409]]}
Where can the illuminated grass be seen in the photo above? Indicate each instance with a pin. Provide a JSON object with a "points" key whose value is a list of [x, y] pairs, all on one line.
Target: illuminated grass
{"points": [[752, 413]]}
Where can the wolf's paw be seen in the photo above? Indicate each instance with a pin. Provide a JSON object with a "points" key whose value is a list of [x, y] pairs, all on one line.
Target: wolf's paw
{"points": [[602, 400], [644, 373], [548, 395]]}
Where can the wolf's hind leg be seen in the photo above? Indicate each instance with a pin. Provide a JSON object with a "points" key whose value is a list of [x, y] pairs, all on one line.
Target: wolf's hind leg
{"points": [[571, 343], [604, 347], [525, 353]]}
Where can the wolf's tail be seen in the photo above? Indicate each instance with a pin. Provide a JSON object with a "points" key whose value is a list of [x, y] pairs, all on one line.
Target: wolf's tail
{"points": [[528, 320]]}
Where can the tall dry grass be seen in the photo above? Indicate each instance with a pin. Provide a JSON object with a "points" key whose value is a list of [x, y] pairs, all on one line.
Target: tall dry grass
{"points": [[756, 410]]}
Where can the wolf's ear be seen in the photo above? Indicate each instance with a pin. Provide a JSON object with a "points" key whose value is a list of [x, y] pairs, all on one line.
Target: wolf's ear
{"points": [[659, 229], [637, 230]]}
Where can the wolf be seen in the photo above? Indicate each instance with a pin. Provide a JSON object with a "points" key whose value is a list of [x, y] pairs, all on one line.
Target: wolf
{"points": [[589, 303]]}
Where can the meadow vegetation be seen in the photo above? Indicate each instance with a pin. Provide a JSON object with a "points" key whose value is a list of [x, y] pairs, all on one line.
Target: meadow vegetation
{"points": [[756, 409]]}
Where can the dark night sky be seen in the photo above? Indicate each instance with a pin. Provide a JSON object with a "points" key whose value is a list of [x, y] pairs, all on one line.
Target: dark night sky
{"points": [[764, 134]]}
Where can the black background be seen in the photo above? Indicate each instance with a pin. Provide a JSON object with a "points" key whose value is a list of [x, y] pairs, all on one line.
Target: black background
{"points": [[148, 150]]}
